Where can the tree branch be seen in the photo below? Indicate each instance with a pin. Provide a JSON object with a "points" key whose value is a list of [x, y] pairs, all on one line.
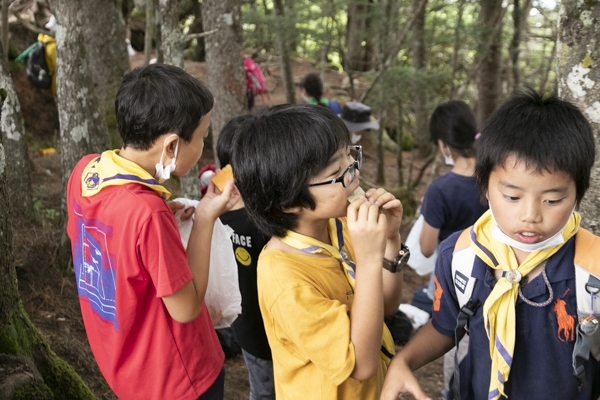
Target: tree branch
{"points": [[192, 36], [31, 27]]}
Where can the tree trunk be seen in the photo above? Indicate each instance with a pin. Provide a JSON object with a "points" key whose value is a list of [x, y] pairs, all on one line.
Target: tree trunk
{"points": [[33, 364], [149, 31], [225, 65], [579, 78], [172, 41], [199, 53], [158, 45], [514, 46], [457, 43], [15, 144], [5, 45], [283, 39], [359, 20], [489, 71], [107, 56], [400, 145], [520, 13], [548, 68], [82, 128], [421, 137], [380, 150]]}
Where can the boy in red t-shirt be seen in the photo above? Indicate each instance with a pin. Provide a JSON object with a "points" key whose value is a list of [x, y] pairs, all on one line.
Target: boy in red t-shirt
{"points": [[141, 295]]}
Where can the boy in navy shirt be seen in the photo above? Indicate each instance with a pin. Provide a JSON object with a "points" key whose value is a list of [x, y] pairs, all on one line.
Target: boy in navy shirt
{"points": [[533, 166]]}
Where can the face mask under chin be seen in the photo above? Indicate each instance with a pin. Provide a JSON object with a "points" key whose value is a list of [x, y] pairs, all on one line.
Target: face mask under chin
{"points": [[555, 240]]}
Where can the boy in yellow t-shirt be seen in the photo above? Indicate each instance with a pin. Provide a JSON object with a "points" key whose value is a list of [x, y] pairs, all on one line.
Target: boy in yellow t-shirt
{"points": [[322, 286]]}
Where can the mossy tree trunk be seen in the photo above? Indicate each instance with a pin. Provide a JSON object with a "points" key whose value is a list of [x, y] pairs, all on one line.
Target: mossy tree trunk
{"points": [[172, 45], [226, 79], [82, 127], [578, 49], [15, 144], [36, 372]]}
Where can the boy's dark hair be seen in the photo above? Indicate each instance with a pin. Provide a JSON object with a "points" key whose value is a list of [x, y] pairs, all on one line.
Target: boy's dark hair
{"points": [[158, 99], [275, 155], [227, 137], [313, 85], [546, 133], [453, 122]]}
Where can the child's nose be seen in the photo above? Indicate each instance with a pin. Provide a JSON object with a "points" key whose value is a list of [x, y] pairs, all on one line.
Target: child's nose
{"points": [[531, 213]]}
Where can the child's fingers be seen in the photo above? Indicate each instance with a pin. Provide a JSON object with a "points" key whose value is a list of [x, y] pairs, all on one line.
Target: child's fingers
{"points": [[175, 206], [187, 213], [394, 205], [379, 196], [212, 188], [352, 210], [368, 212]]}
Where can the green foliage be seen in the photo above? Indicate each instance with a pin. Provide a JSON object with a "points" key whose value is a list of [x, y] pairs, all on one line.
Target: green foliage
{"points": [[47, 216]]}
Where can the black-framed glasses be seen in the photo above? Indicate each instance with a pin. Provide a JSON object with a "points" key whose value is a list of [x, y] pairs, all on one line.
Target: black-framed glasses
{"points": [[349, 174]]}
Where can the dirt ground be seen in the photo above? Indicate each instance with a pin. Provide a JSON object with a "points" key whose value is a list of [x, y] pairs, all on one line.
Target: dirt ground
{"points": [[51, 297]]}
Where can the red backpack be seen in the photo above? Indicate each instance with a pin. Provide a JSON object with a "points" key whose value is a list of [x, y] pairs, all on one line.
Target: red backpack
{"points": [[255, 80]]}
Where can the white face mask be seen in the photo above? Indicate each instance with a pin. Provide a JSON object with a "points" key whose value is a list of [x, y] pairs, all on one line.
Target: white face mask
{"points": [[447, 158], [556, 240], [163, 173]]}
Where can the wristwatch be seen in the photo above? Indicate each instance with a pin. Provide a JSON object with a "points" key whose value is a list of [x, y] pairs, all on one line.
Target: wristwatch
{"points": [[399, 262]]}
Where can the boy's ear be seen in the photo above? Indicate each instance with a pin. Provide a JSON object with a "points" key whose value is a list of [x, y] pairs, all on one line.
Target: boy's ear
{"points": [[170, 143], [292, 210]]}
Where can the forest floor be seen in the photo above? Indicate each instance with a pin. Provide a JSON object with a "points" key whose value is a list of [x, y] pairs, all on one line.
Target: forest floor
{"points": [[50, 295]]}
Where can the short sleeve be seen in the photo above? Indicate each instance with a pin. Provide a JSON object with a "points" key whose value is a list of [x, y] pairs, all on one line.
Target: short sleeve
{"points": [[319, 328], [162, 254], [445, 303], [433, 207]]}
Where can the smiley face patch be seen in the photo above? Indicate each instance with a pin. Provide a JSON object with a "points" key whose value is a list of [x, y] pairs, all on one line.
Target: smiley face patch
{"points": [[242, 256]]}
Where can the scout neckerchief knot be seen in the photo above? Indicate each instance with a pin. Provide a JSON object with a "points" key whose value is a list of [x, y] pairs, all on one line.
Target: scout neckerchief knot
{"points": [[499, 314], [111, 170], [336, 250]]}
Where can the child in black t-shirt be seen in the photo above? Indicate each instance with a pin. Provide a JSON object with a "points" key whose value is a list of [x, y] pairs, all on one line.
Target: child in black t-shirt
{"points": [[247, 243]]}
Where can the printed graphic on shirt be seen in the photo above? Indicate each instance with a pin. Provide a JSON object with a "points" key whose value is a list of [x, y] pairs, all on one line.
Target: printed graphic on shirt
{"points": [[460, 281], [437, 294], [243, 257], [241, 254], [95, 269]]}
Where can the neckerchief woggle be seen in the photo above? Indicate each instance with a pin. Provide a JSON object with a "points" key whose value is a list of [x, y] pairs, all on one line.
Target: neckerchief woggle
{"points": [[336, 250], [109, 169], [499, 315]]}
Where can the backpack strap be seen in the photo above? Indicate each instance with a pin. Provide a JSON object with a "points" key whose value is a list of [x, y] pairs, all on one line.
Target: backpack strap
{"points": [[462, 266], [463, 259], [587, 282], [587, 287]]}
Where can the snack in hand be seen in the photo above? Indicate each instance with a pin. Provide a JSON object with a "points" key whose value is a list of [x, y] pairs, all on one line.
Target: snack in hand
{"points": [[224, 176], [357, 194]]}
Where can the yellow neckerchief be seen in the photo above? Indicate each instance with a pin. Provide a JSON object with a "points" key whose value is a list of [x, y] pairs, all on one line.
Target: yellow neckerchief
{"points": [[336, 250], [111, 170], [499, 308]]}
